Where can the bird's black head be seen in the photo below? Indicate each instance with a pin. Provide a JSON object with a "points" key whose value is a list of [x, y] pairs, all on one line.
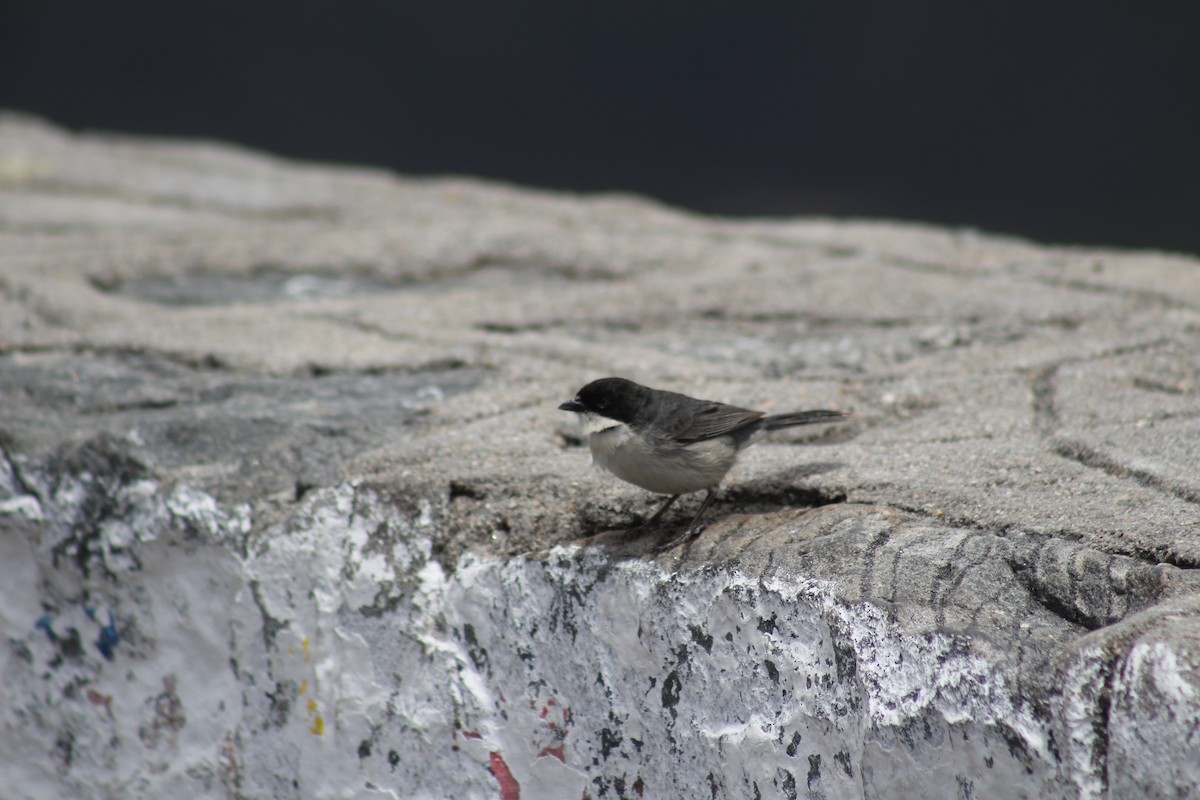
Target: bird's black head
{"points": [[615, 398]]}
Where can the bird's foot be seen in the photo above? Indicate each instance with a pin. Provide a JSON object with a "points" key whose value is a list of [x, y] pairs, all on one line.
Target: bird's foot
{"points": [[687, 536]]}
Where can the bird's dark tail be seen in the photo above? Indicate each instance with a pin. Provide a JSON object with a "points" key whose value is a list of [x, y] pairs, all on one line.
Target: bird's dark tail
{"points": [[803, 418]]}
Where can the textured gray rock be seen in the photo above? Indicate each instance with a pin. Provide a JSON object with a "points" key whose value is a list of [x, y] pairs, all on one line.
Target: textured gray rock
{"points": [[286, 509]]}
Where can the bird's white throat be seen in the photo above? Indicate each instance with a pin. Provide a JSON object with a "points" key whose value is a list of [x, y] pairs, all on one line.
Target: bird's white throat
{"points": [[594, 423]]}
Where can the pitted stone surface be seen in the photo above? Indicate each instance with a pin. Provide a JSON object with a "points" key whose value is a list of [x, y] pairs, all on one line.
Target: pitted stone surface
{"points": [[286, 509]]}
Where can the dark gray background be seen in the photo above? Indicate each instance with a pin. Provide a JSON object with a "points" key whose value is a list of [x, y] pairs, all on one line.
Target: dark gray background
{"points": [[1074, 122]]}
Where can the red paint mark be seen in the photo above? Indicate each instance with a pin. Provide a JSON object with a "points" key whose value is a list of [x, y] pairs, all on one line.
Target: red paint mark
{"points": [[558, 751], [472, 735], [550, 703], [509, 788], [102, 700], [638, 786]]}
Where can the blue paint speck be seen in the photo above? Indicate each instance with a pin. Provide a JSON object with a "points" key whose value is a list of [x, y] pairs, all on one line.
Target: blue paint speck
{"points": [[110, 637], [45, 623]]}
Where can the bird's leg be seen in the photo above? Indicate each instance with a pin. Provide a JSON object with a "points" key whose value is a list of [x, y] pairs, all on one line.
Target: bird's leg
{"points": [[693, 528], [636, 531], [708, 498], [661, 510], [657, 515]]}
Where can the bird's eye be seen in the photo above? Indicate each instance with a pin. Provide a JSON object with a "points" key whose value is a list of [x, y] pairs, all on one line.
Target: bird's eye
{"points": [[602, 402]]}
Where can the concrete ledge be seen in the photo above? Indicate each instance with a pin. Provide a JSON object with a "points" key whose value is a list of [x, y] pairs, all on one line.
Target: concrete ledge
{"points": [[286, 509]]}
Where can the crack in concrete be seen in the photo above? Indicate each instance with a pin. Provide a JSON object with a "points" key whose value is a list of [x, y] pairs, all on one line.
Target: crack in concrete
{"points": [[1043, 383], [871, 555], [1142, 295], [1047, 421], [816, 320], [1030, 578], [1089, 456], [136, 405], [947, 579], [189, 361], [1151, 385], [930, 267]]}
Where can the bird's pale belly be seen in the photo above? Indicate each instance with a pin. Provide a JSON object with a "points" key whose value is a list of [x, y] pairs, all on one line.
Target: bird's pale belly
{"points": [[676, 469]]}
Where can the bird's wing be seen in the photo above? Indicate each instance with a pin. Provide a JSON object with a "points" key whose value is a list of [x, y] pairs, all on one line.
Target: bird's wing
{"points": [[710, 420]]}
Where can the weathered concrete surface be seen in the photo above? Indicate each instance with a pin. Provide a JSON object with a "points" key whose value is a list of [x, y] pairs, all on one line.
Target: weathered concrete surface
{"points": [[286, 509]]}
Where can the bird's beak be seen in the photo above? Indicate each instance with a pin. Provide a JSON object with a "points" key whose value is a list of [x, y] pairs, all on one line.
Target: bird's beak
{"points": [[572, 405]]}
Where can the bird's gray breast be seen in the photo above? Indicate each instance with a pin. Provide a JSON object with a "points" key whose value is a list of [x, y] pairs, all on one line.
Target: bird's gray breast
{"points": [[665, 466]]}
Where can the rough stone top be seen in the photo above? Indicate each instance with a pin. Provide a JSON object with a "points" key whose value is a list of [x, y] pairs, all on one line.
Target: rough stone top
{"points": [[278, 326]]}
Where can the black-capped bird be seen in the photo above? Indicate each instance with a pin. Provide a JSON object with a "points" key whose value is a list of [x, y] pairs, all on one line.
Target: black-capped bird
{"points": [[670, 443]]}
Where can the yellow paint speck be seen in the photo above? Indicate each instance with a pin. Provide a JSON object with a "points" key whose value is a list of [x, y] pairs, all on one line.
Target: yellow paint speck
{"points": [[305, 644], [304, 687], [312, 706], [318, 727]]}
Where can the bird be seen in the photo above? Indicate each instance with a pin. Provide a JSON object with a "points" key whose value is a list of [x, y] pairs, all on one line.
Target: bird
{"points": [[669, 443]]}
